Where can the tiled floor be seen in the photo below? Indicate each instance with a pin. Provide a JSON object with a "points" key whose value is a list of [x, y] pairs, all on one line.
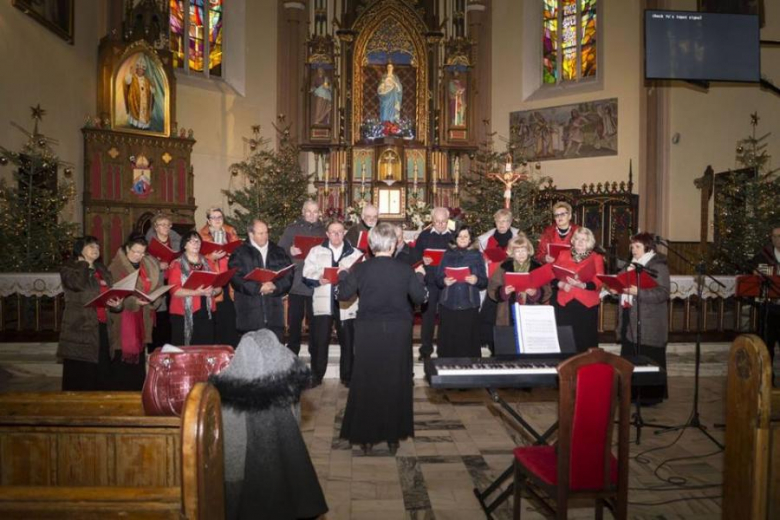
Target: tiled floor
{"points": [[462, 441]]}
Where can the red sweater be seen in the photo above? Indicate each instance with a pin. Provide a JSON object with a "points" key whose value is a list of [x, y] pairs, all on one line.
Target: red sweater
{"points": [[551, 236], [174, 278], [589, 298]]}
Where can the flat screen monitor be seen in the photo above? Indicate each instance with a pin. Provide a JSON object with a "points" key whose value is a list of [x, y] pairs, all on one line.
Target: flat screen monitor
{"points": [[702, 46]]}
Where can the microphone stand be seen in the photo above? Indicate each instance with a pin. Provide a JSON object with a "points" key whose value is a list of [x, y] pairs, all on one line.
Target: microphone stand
{"points": [[636, 419], [701, 271]]}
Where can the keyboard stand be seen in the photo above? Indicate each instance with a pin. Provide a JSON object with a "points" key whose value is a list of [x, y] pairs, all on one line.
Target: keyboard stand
{"points": [[482, 496]]}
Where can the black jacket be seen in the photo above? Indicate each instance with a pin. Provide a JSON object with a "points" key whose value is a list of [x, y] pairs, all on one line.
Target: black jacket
{"points": [[430, 240], [407, 255], [253, 310]]}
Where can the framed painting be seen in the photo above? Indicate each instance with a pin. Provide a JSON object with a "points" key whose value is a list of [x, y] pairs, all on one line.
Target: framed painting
{"points": [[140, 93], [55, 15]]}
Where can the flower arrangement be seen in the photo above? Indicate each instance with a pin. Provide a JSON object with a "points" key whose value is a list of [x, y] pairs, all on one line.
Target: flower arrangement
{"points": [[355, 211], [333, 214], [418, 212], [372, 129]]}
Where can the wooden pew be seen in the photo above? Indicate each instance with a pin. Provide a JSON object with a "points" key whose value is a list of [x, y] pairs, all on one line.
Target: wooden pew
{"points": [[751, 483], [96, 455]]}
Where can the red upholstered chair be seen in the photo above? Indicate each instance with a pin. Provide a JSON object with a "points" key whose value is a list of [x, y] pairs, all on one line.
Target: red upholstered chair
{"points": [[581, 465]]}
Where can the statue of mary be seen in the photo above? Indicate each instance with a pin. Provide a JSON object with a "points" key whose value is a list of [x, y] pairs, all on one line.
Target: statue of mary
{"points": [[390, 95]]}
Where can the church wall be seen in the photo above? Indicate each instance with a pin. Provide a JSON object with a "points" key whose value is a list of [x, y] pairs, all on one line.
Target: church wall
{"points": [[621, 40], [220, 117], [710, 124], [40, 67]]}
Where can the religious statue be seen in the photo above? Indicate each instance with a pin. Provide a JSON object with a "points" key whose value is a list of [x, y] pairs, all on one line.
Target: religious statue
{"points": [[139, 96], [390, 94], [322, 94], [508, 178], [457, 100]]}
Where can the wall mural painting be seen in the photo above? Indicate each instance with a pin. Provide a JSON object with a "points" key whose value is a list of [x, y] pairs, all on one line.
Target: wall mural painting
{"points": [[141, 95], [575, 131]]}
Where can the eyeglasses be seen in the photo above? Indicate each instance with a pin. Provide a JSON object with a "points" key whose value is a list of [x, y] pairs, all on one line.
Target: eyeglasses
{"points": [[216, 217], [556, 215]]}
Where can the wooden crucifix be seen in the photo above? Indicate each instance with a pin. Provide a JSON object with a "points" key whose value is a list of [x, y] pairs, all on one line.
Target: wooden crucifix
{"points": [[509, 177]]}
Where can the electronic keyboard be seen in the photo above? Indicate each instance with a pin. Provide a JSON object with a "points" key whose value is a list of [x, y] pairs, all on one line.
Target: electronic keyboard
{"points": [[520, 371]]}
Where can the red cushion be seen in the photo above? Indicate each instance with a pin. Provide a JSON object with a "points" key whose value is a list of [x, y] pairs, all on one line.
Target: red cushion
{"points": [[542, 461], [590, 425]]}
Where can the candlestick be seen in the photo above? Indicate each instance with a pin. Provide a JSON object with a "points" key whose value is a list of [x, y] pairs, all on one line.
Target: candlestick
{"points": [[457, 173], [434, 178]]}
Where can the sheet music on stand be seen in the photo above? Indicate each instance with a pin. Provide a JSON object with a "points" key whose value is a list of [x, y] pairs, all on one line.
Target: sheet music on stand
{"points": [[536, 331]]}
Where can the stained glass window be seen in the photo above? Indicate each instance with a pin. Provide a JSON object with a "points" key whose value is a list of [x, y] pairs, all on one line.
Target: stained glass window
{"points": [[196, 32], [569, 41]]}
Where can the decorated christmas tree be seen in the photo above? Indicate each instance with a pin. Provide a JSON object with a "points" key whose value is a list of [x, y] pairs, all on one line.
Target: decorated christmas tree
{"points": [[747, 206], [484, 194], [274, 184], [33, 236]]}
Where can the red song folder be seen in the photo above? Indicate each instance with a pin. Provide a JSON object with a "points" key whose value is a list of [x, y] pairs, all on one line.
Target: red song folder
{"points": [[200, 279], [162, 252], [435, 255], [206, 247], [627, 279], [362, 241], [523, 281], [585, 272], [267, 275], [124, 288], [331, 274], [555, 249], [459, 273], [305, 244]]}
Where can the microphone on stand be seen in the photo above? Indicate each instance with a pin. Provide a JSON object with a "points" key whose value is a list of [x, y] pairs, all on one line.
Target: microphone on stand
{"points": [[639, 268]]}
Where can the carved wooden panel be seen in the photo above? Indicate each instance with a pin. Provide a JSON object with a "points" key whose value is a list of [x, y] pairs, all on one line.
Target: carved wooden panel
{"points": [[129, 176], [25, 459]]}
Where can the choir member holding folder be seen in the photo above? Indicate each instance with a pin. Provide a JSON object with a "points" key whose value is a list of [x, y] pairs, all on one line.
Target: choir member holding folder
{"points": [[165, 246], [131, 330], [460, 276], [259, 295], [297, 240], [192, 310], [577, 297], [558, 234], [84, 335], [654, 297], [512, 282], [320, 273], [435, 238], [219, 241]]}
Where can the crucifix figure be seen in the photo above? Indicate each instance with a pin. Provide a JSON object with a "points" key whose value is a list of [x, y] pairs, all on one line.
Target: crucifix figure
{"points": [[509, 178]]}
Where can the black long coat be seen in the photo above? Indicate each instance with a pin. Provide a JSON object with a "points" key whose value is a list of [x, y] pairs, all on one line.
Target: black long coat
{"points": [[253, 310]]}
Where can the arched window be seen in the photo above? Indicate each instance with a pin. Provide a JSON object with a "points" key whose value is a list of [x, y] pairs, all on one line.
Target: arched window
{"points": [[196, 36], [569, 41]]}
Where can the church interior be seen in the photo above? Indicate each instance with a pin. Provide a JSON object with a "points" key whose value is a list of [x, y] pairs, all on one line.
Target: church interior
{"points": [[159, 106]]}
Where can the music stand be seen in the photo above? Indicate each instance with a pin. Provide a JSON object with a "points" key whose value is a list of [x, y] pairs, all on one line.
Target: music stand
{"points": [[701, 271]]}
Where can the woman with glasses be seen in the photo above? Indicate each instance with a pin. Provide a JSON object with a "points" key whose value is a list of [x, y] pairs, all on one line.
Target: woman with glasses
{"points": [[218, 232], [558, 233], [162, 231], [192, 310], [131, 330], [84, 346]]}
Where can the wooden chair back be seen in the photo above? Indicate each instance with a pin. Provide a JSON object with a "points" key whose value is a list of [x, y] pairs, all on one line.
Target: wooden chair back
{"points": [[593, 385]]}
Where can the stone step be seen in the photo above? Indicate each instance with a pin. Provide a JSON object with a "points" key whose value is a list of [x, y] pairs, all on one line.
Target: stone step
{"points": [[39, 359]]}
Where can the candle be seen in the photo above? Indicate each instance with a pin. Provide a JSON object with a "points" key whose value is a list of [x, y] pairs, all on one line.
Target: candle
{"points": [[434, 177], [416, 170], [363, 179], [457, 173]]}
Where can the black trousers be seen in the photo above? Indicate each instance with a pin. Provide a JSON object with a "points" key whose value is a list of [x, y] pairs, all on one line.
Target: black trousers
{"points": [[429, 312], [319, 344], [161, 333], [298, 307], [225, 321], [83, 376]]}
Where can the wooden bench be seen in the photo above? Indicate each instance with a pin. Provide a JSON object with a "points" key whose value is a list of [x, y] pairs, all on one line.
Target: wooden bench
{"points": [[751, 483], [96, 455]]}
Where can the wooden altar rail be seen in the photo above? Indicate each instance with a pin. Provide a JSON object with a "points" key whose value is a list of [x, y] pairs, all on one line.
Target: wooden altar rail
{"points": [[96, 455], [751, 465]]}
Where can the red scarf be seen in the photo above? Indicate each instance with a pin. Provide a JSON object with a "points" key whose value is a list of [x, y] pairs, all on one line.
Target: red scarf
{"points": [[133, 330]]}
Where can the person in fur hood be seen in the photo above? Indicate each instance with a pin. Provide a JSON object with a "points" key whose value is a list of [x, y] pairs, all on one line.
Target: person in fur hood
{"points": [[268, 471]]}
